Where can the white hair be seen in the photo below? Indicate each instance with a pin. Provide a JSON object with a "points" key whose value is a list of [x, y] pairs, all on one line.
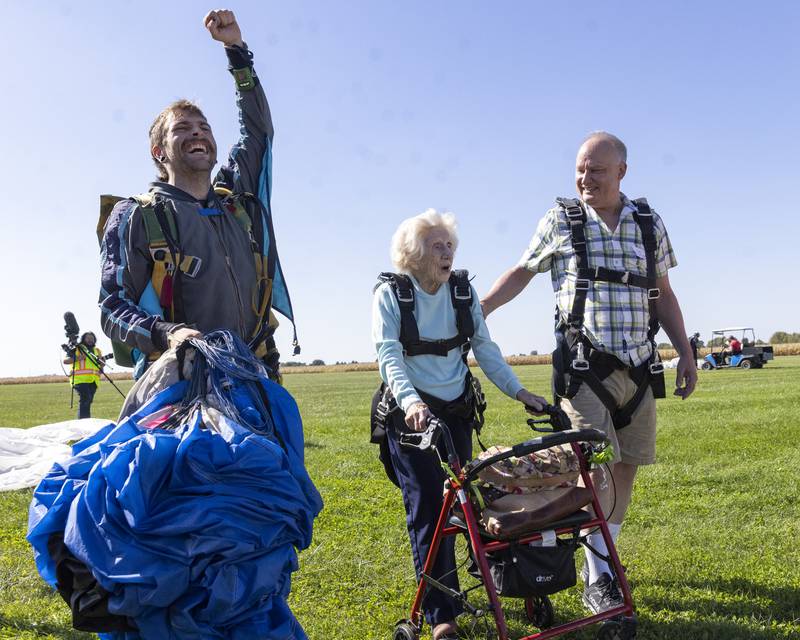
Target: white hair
{"points": [[619, 145], [408, 242]]}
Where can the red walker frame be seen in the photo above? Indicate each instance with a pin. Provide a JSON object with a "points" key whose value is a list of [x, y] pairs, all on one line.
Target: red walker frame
{"points": [[456, 490]]}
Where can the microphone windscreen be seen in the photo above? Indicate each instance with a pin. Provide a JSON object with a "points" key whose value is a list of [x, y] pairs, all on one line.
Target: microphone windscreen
{"points": [[71, 324]]}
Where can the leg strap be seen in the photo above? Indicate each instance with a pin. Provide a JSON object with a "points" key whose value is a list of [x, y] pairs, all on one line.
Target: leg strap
{"points": [[622, 416], [603, 394]]}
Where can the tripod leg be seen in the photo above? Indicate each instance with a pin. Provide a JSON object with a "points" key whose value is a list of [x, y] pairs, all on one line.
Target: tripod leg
{"points": [[72, 383], [111, 382], [99, 365]]}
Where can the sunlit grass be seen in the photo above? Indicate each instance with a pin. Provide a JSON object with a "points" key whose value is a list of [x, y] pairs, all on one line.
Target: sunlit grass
{"points": [[710, 542]]}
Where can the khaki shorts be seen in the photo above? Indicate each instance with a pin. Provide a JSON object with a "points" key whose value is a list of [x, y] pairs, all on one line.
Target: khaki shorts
{"points": [[634, 444]]}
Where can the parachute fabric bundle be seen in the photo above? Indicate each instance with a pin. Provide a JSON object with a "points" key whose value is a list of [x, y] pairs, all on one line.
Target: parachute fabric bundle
{"points": [[187, 513]]}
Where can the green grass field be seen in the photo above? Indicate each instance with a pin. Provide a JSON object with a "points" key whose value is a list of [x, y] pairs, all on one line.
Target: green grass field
{"points": [[710, 541]]}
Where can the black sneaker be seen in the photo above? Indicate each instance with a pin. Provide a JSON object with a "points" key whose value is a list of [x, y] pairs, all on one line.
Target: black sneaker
{"points": [[602, 595]]}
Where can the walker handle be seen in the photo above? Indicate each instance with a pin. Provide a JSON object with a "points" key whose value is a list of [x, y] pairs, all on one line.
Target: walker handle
{"points": [[556, 417], [424, 440]]}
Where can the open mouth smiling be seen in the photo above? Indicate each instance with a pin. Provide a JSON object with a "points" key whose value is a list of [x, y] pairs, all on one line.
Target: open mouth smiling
{"points": [[197, 147]]}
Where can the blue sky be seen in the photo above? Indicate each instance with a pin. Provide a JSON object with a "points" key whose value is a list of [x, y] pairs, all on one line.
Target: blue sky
{"points": [[384, 109]]}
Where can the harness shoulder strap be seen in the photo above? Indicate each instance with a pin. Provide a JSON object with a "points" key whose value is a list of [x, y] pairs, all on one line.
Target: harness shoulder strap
{"points": [[403, 290], [461, 297], [644, 218], [163, 242], [576, 218]]}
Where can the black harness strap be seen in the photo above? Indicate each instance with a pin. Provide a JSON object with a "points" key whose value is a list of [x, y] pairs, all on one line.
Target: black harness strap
{"points": [[644, 218], [471, 404], [576, 217], [602, 274], [622, 416], [461, 297]]}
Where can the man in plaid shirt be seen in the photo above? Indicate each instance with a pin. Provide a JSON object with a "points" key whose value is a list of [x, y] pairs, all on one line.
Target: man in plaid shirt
{"points": [[615, 322]]}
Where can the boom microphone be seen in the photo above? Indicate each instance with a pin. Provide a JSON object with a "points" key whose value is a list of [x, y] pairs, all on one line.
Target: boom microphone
{"points": [[71, 324]]}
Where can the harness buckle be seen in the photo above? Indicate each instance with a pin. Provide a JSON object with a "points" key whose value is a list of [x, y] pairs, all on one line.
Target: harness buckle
{"points": [[625, 277], [657, 368], [645, 214], [654, 293], [582, 284], [458, 296], [402, 298], [574, 213], [580, 364]]}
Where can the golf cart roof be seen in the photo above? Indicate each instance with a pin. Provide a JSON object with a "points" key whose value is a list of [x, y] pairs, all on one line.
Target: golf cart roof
{"points": [[732, 329]]}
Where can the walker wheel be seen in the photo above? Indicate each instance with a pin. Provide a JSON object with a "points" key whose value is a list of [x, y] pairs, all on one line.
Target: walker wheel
{"points": [[404, 630], [618, 629], [539, 610]]}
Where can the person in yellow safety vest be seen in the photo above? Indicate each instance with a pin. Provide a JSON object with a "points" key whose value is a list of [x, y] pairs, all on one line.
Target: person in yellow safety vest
{"points": [[85, 372]]}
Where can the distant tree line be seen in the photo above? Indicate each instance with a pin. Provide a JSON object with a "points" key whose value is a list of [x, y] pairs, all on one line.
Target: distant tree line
{"points": [[783, 337], [315, 363]]}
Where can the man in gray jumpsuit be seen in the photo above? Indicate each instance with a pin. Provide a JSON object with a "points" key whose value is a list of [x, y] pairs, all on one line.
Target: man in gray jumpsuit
{"points": [[221, 237]]}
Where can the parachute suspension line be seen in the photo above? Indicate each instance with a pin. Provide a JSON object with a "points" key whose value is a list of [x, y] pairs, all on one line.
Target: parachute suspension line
{"points": [[226, 372]]}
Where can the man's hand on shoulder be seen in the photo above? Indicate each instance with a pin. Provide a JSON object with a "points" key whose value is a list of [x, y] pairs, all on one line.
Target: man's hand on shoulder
{"points": [[222, 26]]}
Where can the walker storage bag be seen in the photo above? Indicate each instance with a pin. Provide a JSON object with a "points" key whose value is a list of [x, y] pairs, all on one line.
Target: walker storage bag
{"points": [[183, 519], [523, 571]]}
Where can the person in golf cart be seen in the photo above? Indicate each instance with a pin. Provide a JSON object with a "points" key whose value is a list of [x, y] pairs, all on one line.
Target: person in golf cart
{"points": [[732, 348], [424, 321]]}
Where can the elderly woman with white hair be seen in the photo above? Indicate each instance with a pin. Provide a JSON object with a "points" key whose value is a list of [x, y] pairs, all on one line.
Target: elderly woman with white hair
{"points": [[425, 370]]}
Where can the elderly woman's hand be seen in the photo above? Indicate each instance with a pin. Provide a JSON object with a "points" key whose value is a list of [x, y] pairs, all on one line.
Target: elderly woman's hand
{"points": [[417, 416], [537, 403]]}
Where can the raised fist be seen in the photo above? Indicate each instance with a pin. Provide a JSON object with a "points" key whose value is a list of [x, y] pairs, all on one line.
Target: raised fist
{"points": [[222, 26]]}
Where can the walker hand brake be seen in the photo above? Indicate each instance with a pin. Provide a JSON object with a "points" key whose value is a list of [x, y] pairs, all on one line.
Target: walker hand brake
{"points": [[556, 418], [422, 440]]}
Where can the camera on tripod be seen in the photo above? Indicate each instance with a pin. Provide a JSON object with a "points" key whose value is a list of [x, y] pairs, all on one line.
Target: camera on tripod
{"points": [[72, 331], [74, 345]]}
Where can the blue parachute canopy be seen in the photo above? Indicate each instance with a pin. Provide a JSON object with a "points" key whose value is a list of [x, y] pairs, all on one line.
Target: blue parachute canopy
{"points": [[184, 517]]}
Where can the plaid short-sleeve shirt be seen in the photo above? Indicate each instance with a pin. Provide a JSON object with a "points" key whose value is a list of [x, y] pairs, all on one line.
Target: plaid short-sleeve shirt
{"points": [[616, 315]]}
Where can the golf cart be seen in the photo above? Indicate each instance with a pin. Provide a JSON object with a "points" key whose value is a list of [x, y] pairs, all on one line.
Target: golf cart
{"points": [[750, 357]]}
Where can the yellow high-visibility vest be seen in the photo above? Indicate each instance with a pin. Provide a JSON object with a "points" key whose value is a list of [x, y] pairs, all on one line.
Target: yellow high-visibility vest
{"points": [[84, 370]]}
